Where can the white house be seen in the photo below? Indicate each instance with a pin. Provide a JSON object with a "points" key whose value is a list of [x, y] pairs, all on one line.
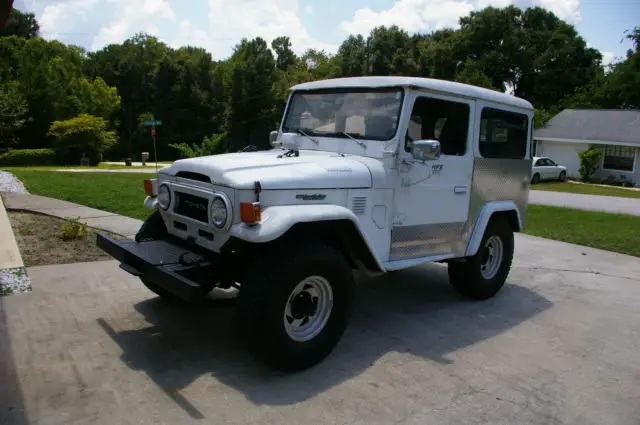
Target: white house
{"points": [[615, 131]]}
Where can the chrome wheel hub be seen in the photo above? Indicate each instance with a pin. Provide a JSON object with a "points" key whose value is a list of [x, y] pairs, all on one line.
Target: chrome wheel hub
{"points": [[308, 308], [492, 254]]}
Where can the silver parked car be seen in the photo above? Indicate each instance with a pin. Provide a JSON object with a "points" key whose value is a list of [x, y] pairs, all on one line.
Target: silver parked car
{"points": [[544, 168]]}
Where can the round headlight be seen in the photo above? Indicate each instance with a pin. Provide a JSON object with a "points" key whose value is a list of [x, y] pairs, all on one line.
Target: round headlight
{"points": [[219, 212], [164, 196]]}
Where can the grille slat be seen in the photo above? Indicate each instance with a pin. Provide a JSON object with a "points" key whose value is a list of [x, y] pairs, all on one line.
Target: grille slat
{"points": [[359, 205]]}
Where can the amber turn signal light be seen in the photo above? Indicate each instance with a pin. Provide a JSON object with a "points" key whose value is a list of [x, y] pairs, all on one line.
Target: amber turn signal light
{"points": [[148, 187], [250, 212]]}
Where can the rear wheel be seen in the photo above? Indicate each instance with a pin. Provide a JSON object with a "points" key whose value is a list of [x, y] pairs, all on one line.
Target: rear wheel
{"points": [[295, 305], [483, 275], [535, 179]]}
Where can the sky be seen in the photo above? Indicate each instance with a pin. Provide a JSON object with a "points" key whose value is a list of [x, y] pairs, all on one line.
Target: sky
{"points": [[218, 25]]}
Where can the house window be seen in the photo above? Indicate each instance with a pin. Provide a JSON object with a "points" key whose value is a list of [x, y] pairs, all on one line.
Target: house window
{"points": [[503, 134], [618, 158]]}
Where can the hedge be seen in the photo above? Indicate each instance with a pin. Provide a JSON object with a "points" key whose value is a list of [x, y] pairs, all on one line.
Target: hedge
{"points": [[28, 157]]}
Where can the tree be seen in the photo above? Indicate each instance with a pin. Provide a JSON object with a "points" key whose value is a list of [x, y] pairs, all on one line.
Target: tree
{"points": [[251, 104], [352, 53], [13, 113], [285, 57], [21, 24], [82, 135], [5, 11], [542, 57], [473, 74]]}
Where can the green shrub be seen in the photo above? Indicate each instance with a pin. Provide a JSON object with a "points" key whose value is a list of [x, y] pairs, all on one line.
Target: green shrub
{"points": [[589, 163], [83, 135], [72, 229], [28, 157]]}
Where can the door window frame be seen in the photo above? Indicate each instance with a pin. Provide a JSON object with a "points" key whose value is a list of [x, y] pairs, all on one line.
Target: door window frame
{"points": [[412, 96]]}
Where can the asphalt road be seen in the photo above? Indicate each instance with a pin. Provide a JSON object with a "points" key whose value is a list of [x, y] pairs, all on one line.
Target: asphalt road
{"points": [[559, 345], [612, 204]]}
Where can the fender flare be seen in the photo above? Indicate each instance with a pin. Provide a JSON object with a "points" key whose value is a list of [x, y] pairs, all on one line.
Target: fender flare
{"points": [[483, 220], [278, 220]]}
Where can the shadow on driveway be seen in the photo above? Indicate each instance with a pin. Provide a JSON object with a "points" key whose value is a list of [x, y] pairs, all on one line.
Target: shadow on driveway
{"points": [[413, 311]]}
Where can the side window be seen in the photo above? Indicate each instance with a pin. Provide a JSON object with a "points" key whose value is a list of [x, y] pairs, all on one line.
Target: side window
{"points": [[503, 134], [442, 120]]}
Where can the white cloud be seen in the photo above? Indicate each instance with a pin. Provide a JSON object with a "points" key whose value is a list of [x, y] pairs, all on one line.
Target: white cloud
{"points": [[60, 18], [258, 18], [131, 18], [564, 9], [411, 15], [607, 58], [429, 15]]}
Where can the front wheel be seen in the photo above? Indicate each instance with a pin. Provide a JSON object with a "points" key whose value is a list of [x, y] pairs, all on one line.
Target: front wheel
{"points": [[294, 307], [563, 176], [483, 275]]}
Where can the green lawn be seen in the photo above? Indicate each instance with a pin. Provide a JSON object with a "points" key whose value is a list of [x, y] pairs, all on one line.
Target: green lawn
{"points": [[586, 189], [80, 167], [611, 232], [122, 193]]}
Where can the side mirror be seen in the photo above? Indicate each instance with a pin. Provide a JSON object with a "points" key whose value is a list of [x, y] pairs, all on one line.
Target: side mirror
{"points": [[273, 136], [426, 150]]}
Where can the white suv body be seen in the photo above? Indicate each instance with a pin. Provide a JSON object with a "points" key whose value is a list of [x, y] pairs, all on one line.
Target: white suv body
{"points": [[391, 172]]}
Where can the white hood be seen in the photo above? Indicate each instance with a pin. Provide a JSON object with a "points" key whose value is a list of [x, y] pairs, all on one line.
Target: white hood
{"points": [[310, 170]]}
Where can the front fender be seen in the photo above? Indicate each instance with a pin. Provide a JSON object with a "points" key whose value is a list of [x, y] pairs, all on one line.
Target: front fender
{"points": [[277, 220]]}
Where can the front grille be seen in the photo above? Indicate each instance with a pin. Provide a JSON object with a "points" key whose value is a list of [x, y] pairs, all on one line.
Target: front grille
{"points": [[192, 206]]}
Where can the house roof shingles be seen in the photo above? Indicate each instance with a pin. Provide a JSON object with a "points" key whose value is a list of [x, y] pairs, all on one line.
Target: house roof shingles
{"points": [[606, 125]]}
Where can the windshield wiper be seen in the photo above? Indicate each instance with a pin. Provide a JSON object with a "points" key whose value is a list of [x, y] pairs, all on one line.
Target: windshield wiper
{"points": [[304, 133], [362, 144], [344, 133]]}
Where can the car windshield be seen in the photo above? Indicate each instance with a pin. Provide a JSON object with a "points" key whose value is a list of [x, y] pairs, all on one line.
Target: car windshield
{"points": [[361, 114]]}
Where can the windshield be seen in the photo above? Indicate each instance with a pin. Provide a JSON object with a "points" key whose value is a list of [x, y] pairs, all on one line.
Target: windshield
{"points": [[368, 114]]}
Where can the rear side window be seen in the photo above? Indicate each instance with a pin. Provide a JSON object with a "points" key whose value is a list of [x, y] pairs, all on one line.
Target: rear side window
{"points": [[503, 134]]}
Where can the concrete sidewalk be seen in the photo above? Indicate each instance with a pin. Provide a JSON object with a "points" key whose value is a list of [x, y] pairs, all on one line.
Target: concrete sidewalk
{"points": [[92, 217], [610, 204]]}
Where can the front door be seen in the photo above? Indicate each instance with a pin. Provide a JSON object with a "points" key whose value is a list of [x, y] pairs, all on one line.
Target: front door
{"points": [[432, 197]]}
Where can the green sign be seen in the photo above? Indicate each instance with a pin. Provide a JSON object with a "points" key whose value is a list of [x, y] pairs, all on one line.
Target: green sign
{"points": [[152, 122]]}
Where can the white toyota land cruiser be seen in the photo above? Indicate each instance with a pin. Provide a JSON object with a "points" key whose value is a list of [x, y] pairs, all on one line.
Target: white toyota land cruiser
{"points": [[369, 173]]}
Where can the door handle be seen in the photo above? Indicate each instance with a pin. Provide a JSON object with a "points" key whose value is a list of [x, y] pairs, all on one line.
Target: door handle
{"points": [[460, 189]]}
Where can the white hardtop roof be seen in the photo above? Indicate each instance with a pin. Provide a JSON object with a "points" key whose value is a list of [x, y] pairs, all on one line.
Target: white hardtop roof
{"points": [[445, 86]]}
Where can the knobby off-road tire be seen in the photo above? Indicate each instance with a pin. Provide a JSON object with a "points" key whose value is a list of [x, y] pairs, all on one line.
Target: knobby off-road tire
{"points": [[483, 275], [299, 280], [154, 228]]}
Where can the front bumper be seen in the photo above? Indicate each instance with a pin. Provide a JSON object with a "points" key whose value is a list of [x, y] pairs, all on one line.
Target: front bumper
{"points": [[166, 263]]}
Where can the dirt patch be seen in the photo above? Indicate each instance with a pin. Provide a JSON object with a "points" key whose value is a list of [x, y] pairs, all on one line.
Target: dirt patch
{"points": [[40, 244]]}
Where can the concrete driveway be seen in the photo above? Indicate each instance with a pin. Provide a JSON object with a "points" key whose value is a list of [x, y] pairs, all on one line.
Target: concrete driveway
{"points": [[559, 345], [612, 204]]}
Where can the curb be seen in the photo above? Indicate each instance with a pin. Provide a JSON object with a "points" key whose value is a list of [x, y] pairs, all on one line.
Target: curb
{"points": [[13, 275]]}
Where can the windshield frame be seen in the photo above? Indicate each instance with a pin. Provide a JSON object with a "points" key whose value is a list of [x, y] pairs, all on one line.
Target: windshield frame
{"points": [[337, 135]]}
